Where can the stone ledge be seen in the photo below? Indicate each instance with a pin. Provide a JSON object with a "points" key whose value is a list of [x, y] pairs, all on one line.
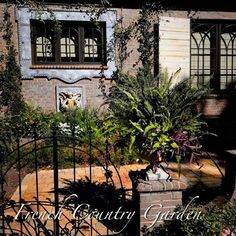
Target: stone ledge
{"points": [[161, 185]]}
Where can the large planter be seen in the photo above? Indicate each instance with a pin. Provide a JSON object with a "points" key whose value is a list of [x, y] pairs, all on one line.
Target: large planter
{"points": [[155, 171]]}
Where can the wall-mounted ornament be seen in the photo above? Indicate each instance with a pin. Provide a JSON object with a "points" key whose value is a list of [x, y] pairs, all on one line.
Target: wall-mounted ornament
{"points": [[69, 97]]}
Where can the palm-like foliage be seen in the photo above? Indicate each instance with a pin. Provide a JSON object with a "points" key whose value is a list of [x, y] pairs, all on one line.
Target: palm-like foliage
{"points": [[151, 113]]}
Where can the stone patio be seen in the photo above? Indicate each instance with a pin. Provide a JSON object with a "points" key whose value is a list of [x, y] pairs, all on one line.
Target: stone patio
{"points": [[208, 174]]}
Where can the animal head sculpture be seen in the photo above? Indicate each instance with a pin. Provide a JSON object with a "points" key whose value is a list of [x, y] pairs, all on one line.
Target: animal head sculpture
{"points": [[69, 101]]}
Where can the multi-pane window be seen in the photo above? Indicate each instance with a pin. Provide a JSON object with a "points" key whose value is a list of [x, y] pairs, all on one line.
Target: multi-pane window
{"points": [[213, 54], [92, 45], [69, 45], [44, 47], [71, 42]]}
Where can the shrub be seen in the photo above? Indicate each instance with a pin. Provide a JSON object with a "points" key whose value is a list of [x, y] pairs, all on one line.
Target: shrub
{"points": [[87, 122], [214, 220]]}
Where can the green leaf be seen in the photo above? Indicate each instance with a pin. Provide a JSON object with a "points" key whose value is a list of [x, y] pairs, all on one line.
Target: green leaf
{"points": [[150, 127], [132, 140], [153, 134], [166, 126], [174, 145], [148, 106], [163, 138], [129, 95], [156, 145], [136, 125]]}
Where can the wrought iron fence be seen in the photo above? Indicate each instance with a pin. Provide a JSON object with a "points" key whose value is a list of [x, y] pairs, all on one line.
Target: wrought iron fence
{"points": [[22, 214]]}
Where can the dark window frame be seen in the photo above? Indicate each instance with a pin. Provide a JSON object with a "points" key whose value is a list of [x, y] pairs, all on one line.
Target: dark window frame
{"points": [[156, 50], [56, 42], [216, 29]]}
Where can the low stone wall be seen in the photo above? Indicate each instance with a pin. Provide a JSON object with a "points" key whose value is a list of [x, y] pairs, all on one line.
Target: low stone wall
{"points": [[156, 200]]}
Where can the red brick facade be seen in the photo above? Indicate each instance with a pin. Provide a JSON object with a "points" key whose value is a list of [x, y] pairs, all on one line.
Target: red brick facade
{"points": [[42, 92]]}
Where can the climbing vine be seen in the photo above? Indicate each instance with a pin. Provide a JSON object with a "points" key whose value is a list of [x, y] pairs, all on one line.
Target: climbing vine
{"points": [[10, 75], [122, 36], [145, 36], [141, 30]]}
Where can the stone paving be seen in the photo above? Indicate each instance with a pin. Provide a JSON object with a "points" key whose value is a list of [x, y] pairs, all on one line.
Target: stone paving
{"points": [[208, 174]]}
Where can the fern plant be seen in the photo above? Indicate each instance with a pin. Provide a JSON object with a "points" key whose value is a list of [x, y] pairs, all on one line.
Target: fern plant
{"points": [[156, 116]]}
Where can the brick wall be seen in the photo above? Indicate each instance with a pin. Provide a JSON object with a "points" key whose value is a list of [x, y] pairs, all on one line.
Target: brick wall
{"points": [[213, 105], [42, 92], [130, 16], [156, 198]]}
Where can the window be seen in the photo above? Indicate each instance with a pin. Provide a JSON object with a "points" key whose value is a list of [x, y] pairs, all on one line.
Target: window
{"points": [[74, 42], [213, 54]]}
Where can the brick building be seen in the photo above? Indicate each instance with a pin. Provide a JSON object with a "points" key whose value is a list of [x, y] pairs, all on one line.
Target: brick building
{"points": [[198, 38]]}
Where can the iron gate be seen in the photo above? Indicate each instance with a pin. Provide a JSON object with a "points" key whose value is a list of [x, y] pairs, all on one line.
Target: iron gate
{"points": [[21, 214]]}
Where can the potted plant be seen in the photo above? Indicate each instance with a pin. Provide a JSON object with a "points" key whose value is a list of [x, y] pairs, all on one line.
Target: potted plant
{"points": [[156, 116]]}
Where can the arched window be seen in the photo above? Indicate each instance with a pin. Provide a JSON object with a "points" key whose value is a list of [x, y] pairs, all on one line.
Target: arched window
{"points": [[73, 42], [213, 54], [67, 48], [200, 58], [42, 38], [91, 48], [228, 60], [93, 44], [69, 45], [43, 47]]}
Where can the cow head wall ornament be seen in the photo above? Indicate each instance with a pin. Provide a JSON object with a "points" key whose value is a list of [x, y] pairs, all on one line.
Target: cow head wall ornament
{"points": [[69, 101]]}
